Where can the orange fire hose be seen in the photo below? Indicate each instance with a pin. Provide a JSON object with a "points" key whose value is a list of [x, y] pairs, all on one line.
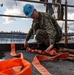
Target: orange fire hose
{"points": [[7, 67], [56, 55], [13, 66], [37, 59]]}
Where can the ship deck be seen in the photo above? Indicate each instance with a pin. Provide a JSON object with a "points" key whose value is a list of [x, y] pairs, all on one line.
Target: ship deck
{"points": [[62, 67]]}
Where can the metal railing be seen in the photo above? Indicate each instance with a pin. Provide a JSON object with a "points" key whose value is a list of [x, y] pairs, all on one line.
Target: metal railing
{"points": [[65, 5]]}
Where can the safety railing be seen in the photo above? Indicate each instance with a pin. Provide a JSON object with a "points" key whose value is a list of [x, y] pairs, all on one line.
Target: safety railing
{"points": [[41, 2]]}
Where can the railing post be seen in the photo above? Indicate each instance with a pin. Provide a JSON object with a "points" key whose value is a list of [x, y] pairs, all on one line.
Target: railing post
{"points": [[66, 40]]}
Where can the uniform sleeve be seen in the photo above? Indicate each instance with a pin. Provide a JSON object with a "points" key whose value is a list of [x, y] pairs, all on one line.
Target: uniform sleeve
{"points": [[50, 30], [30, 33]]}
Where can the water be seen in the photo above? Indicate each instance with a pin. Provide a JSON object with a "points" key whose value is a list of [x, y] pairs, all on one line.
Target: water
{"points": [[17, 40], [9, 40]]}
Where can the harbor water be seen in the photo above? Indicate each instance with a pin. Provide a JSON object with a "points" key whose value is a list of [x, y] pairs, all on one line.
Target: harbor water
{"points": [[15, 40]]}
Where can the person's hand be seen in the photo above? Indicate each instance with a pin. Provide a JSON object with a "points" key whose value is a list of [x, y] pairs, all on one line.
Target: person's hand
{"points": [[25, 44], [49, 48]]}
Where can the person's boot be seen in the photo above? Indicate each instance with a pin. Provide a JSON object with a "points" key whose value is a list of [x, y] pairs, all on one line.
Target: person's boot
{"points": [[42, 47], [56, 46]]}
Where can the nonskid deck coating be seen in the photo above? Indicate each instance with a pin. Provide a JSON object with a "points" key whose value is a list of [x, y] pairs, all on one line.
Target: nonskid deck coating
{"points": [[63, 67]]}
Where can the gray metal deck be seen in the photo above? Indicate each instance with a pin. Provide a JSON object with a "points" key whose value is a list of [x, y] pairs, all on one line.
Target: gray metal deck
{"points": [[63, 67]]}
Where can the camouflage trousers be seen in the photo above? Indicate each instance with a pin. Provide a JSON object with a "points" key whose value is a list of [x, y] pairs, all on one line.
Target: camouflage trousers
{"points": [[43, 38]]}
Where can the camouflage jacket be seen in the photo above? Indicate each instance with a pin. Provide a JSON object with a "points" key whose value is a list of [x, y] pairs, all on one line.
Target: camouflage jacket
{"points": [[47, 22]]}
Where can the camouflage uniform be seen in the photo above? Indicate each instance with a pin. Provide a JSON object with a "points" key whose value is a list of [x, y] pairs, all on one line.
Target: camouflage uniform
{"points": [[46, 29]]}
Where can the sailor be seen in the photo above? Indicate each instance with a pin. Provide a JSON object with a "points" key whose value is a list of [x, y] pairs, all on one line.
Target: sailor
{"points": [[45, 27]]}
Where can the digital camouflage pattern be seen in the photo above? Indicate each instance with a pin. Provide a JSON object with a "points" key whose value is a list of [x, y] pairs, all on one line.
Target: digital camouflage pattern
{"points": [[46, 29]]}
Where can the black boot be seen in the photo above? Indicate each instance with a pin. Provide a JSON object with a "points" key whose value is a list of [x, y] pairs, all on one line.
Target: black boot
{"points": [[56, 46], [42, 47]]}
